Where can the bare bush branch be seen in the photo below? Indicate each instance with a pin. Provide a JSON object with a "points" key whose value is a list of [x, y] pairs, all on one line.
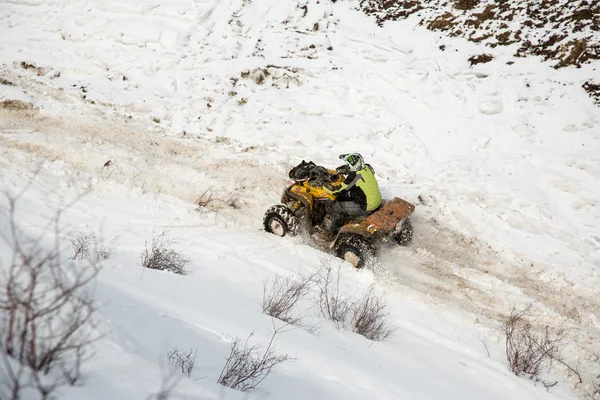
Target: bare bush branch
{"points": [[233, 202], [330, 302], [105, 252], [282, 295], [183, 360], [81, 243], [86, 246], [364, 316], [246, 367], [46, 313], [593, 393], [528, 352], [205, 198], [483, 341], [368, 317], [161, 256]]}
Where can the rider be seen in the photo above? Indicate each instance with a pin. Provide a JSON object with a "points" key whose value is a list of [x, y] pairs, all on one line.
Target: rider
{"points": [[358, 195]]}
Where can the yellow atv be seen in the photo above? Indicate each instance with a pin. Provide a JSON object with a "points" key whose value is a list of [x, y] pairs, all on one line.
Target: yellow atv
{"points": [[307, 208]]}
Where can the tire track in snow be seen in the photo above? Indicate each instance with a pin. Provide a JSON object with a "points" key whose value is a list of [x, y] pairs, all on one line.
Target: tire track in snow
{"points": [[438, 252], [449, 255], [184, 167], [451, 268]]}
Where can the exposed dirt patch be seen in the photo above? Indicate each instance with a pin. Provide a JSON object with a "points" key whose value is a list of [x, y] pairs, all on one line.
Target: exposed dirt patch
{"points": [[593, 90], [15, 105], [281, 77], [5, 82], [586, 14], [573, 52], [391, 9], [507, 37], [480, 59], [28, 66], [485, 15], [444, 22], [465, 4]]}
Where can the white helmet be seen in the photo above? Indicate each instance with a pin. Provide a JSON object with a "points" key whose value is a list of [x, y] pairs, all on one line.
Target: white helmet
{"points": [[354, 161]]}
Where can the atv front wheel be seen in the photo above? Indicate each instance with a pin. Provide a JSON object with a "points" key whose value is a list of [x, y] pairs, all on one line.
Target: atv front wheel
{"points": [[281, 221], [405, 235], [354, 249]]}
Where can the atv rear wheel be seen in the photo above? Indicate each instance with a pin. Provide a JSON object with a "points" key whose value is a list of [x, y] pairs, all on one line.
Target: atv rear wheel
{"points": [[280, 220], [355, 250], [405, 235]]}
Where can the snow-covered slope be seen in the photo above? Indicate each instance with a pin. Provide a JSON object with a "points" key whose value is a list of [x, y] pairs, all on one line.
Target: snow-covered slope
{"points": [[184, 96], [435, 351]]}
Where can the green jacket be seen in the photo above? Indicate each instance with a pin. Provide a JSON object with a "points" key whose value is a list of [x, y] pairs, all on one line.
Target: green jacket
{"points": [[360, 187]]}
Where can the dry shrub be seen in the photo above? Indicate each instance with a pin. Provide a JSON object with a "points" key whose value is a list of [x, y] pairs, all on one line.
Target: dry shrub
{"points": [[81, 244], [161, 256], [530, 352], [85, 246], [205, 198], [246, 367], [183, 360], [104, 252], [369, 318], [593, 392], [365, 316], [332, 304], [208, 199], [47, 315], [281, 296], [233, 202]]}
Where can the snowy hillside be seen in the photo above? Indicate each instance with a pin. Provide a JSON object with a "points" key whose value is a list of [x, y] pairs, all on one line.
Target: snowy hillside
{"points": [[217, 100], [563, 31]]}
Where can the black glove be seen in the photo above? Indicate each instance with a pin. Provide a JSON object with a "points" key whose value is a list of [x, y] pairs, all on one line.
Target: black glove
{"points": [[343, 169], [331, 187]]}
